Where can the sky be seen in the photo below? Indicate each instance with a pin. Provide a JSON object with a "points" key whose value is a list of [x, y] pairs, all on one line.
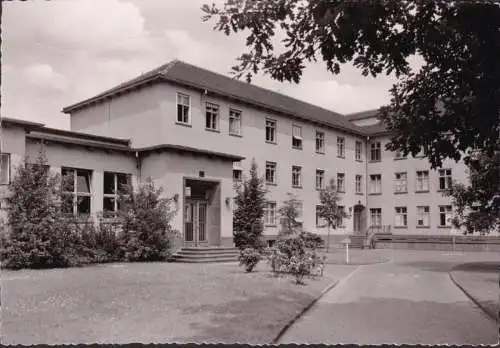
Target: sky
{"points": [[58, 52]]}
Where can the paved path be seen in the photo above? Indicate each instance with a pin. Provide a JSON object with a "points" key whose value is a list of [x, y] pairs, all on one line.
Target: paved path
{"points": [[410, 299]]}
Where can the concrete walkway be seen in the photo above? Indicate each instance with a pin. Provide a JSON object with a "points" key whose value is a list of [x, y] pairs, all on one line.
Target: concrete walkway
{"points": [[409, 300]]}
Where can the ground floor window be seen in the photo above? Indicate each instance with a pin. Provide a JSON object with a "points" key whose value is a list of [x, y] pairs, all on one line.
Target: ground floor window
{"points": [[320, 221], [4, 168], [401, 217], [376, 216], [270, 214], [423, 216], [114, 184], [76, 191], [445, 215]]}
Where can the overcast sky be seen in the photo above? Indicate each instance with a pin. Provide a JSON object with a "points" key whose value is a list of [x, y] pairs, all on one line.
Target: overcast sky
{"points": [[59, 52]]}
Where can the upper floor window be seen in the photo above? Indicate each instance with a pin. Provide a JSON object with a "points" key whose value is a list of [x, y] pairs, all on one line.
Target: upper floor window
{"points": [[401, 217], [211, 116], [270, 131], [4, 168], [445, 179], [234, 122], [320, 179], [183, 108], [320, 142], [422, 181], [359, 184], [296, 137], [423, 216], [400, 183], [237, 174], [114, 185], [445, 215], [76, 191], [358, 150], [375, 153], [296, 176], [340, 182], [376, 216], [375, 183], [271, 172], [341, 147]]}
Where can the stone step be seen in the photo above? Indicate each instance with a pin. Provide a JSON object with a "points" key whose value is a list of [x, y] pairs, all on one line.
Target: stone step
{"points": [[208, 252], [204, 256], [205, 249], [212, 260]]}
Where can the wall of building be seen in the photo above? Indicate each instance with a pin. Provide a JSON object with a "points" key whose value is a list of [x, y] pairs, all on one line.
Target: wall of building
{"points": [[149, 117]]}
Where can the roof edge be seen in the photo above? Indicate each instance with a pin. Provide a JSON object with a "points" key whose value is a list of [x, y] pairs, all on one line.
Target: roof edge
{"points": [[21, 123]]}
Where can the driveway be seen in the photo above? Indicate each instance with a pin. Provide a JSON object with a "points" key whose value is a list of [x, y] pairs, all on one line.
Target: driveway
{"points": [[408, 300]]}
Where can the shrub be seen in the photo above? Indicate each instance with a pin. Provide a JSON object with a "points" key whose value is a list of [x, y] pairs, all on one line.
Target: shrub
{"points": [[145, 220], [300, 265], [312, 240], [249, 258]]}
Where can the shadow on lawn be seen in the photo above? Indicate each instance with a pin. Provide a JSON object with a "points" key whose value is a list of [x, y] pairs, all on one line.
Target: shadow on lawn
{"points": [[255, 319]]}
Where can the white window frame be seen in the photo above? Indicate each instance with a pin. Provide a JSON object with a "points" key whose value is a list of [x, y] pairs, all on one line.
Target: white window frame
{"points": [[4, 168], [358, 150], [75, 194], [423, 216], [376, 217], [375, 183], [239, 177], [211, 116], [296, 176], [320, 179], [272, 126], [375, 152], [340, 147], [447, 211], [186, 108], [270, 214], [358, 184], [422, 181], [234, 118], [340, 182], [401, 182], [401, 217], [445, 179], [271, 168], [116, 195], [320, 142], [297, 137]]}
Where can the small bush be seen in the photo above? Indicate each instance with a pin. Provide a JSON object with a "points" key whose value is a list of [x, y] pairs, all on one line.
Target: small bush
{"points": [[300, 266], [249, 258], [312, 240]]}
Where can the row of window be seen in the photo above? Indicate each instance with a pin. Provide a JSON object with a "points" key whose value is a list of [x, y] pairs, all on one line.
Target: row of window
{"points": [[421, 182], [271, 215], [423, 216]]}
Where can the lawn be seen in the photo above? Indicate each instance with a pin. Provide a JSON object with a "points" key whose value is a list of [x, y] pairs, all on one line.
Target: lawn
{"points": [[152, 302]]}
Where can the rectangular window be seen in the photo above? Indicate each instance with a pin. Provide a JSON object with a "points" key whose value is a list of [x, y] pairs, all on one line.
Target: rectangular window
{"points": [[445, 215], [296, 176], [401, 217], [445, 179], [340, 182], [320, 142], [340, 147], [183, 108], [4, 168], [271, 173], [76, 191], [422, 181], [237, 174], [270, 214], [320, 222], [423, 216], [320, 179], [114, 185], [359, 184], [359, 150], [400, 183], [375, 152], [297, 137], [376, 217], [211, 116], [340, 220], [375, 183], [271, 131], [234, 122]]}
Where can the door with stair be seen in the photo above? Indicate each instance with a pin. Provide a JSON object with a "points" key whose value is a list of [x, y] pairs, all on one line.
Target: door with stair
{"points": [[195, 223]]}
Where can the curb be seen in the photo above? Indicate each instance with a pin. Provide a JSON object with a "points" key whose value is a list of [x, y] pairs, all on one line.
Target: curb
{"points": [[490, 315], [306, 308]]}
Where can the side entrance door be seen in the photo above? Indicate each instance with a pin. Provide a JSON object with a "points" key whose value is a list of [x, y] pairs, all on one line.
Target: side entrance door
{"points": [[195, 223]]}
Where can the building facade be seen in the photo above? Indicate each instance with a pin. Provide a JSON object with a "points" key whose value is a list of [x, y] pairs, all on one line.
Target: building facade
{"points": [[195, 133]]}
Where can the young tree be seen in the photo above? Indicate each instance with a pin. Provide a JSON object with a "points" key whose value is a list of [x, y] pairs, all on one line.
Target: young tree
{"points": [[249, 213], [37, 236], [329, 209], [289, 212], [448, 106], [145, 218]]}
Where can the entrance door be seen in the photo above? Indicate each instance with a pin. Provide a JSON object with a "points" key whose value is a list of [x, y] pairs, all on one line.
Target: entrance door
{"points": [[358, 220], [195, 223]]}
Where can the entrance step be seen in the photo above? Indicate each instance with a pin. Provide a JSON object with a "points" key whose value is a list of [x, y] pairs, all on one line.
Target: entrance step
{"points": [[206, 255]]}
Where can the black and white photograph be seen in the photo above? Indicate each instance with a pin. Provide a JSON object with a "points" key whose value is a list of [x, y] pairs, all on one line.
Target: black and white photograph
{"points": [[250, 171]]}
